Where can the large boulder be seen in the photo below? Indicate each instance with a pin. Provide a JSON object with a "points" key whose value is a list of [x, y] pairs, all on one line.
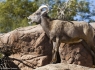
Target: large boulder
{"points": [[29, 48], [75, 54]]}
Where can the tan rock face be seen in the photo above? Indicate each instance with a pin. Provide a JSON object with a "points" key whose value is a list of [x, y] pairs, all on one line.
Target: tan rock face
{"points": [[30, 48], [75, 54]]}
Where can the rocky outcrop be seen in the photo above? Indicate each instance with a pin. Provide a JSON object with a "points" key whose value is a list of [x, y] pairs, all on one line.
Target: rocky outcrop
{"points": [[29, 48]]}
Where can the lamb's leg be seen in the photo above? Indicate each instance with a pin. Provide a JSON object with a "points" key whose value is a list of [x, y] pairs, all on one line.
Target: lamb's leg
{"points": [[53, 53], [55, 50], [91, 48]]}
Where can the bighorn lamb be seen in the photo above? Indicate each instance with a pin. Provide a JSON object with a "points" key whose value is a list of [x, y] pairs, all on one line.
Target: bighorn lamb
{"points": [[63, 31]]}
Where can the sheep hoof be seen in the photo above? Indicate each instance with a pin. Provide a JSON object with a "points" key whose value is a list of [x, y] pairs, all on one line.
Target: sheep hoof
{"points": [[53, 61]]}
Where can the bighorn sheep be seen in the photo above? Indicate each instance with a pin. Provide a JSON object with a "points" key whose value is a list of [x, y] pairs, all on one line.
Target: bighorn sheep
{"points": [[63, 31]]}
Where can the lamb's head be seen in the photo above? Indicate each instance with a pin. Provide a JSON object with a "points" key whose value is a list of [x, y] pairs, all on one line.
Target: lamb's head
{"points": [[36, 16]]}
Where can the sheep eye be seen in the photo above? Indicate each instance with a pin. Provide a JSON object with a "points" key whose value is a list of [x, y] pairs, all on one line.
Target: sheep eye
{"points": [[37, 13]]}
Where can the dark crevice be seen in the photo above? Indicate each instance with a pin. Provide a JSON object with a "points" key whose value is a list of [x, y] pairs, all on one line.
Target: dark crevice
{"points": [[58, 58]]}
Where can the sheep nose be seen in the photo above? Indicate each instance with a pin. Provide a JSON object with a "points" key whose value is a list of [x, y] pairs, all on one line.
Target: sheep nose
{"points": [[27, 17]]}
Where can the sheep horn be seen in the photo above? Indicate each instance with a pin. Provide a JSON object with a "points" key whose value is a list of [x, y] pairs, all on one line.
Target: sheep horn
{"points": [[43, 6]]}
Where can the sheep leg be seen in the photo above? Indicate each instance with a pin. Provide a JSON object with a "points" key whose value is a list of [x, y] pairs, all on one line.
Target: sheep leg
{"points": [[90, 50], [55, 50], [93, 49], [92, 46], [53, 53]]}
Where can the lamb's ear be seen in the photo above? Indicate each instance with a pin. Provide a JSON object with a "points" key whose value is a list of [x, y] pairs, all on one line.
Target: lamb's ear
{"points": [[43, 13]]}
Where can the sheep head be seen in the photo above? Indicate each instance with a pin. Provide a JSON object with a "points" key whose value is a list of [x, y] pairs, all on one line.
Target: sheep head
{"points": [[36, 16]]}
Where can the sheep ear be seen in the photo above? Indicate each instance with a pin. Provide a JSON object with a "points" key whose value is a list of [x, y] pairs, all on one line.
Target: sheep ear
{"points": [[43, 12]]}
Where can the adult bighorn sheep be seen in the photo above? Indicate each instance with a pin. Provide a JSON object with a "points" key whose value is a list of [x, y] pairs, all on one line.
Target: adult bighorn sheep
{"points": [[63, 31]]}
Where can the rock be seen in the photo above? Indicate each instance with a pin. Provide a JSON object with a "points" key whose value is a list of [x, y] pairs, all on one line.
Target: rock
{"points": [[75, 54], [63, 66], [29, 48], [30, 61]]}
